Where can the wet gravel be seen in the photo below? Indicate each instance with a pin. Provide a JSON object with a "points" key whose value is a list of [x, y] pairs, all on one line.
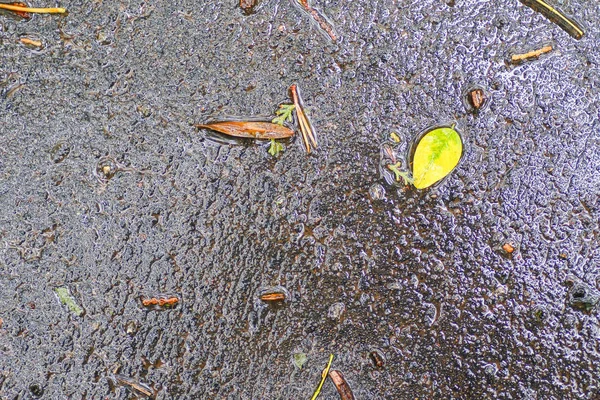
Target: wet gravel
{"points": [[107, 189]]}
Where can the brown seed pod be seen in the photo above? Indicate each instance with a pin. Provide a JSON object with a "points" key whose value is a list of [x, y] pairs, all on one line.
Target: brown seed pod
{"points": [[273, 297], [477, 98], [377, 358]]}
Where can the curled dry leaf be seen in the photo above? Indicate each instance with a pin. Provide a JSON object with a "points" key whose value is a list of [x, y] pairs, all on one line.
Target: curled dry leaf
{"points": [[341, 385], [249, 129]]}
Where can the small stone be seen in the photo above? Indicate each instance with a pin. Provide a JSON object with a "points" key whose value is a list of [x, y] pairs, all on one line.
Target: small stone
{"points": [[336, 310], [377, 192], [583, 297]]}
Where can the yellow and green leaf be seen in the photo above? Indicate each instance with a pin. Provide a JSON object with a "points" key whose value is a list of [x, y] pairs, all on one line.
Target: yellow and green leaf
{"points": [[435, 156]]}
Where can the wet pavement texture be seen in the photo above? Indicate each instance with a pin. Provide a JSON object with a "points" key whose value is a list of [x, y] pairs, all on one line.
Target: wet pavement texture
{"points": [[108, 190]]}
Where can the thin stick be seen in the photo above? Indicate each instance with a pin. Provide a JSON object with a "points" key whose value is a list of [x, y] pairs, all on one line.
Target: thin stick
{"points": [[326, 26], [517, 58], [323, 377], [11, 7]]}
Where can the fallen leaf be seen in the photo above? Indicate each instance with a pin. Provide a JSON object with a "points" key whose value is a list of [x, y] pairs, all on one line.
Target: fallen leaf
{"points": [[249, 129], [64, 295], [435, 156], [299, 360]]}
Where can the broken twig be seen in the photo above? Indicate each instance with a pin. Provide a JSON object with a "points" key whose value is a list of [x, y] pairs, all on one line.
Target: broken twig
{"points": [[135, 386], [519, 58], [326, 26], [31, 42]]}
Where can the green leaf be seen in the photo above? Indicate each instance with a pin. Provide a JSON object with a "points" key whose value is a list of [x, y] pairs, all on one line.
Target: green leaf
{"points": [[284, 114], [399, 174], [65, 297], [299, 359], [275, 148], [436, 155]]}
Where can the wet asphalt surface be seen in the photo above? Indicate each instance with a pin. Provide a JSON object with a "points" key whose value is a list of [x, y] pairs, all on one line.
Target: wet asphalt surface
{"points": [[368, 265]]}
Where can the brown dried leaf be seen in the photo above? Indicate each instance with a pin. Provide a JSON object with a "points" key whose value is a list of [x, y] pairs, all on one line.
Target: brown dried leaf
{"points": [[341, 385], [249, 129]]}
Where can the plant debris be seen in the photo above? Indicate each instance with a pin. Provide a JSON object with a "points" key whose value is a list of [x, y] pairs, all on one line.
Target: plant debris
{"points": [[319, 19], [275, 148], [555, 15], [306, 129], [284, 113], [160, 302], [508, 248], [476, 98], [138, 388], [399, 174], [248, 5], [64, 295], [276, 296], [30, 42], [323, 377], [249, 129], [341, 385], [394, 137], [22, 10], [519, 58], [300, 359], [377, 358]]}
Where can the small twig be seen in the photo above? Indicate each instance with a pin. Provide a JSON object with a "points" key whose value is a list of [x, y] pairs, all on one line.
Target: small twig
{"points": [[519, 58], [22, 9], [323, 377], [326, 26], [31, 42], [341, 385], [305, 125]]}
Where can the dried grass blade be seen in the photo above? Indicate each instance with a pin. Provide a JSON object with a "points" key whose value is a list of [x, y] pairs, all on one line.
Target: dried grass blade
{"points": [[249, 129]]}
